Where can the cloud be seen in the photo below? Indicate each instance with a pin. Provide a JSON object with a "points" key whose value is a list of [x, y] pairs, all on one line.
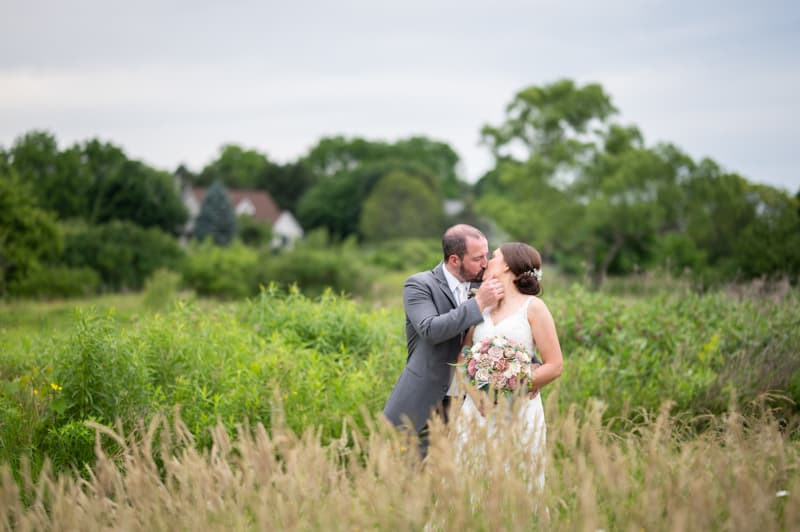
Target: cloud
{"points": [[172, 81]]}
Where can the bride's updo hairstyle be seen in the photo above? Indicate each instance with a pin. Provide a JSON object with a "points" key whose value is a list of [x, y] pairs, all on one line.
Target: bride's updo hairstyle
{"points": [[526, 264]]}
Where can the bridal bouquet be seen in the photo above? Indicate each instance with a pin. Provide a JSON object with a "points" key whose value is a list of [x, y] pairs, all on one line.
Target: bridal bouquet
{"points": [[500, 363]]}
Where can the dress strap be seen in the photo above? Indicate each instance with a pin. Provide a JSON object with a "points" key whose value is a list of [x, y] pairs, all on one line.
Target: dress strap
{"points": [[527, 304]]}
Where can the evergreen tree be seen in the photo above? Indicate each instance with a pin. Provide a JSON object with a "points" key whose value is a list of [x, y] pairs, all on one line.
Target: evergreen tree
{"points": [[217, 218]]}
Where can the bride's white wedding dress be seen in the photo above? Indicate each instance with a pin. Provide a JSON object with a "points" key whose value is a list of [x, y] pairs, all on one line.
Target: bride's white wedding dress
{"points": [[528, 421]]}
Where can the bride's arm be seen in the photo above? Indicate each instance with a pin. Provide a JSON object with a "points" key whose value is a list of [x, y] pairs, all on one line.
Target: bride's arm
{"points": [[545, 338]]}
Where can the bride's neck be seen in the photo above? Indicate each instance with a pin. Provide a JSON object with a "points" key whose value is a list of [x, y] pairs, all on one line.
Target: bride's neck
{"points": [[510, 298]]}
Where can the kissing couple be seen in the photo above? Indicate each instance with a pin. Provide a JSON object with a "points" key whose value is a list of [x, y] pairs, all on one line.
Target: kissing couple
{"points": [[441, 319]]}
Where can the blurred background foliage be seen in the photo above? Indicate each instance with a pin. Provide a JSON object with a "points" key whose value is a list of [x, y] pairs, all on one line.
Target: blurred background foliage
{"points": [[570, 179], [326, 358], [669, 277]]}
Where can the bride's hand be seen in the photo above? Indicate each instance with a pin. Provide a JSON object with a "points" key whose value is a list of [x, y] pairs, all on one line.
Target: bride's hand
{"points": [[534, 391], [477, 398]]}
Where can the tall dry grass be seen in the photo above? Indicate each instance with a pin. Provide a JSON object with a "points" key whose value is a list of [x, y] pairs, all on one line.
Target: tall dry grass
{"points": [[742, 474]]}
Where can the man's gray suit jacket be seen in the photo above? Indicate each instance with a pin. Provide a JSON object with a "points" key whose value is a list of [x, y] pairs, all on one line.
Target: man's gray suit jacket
{"points": [[435, 329]]}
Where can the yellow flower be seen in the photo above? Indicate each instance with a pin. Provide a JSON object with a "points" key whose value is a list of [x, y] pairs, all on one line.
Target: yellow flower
{"points": [[55, 387], [35, 391]]}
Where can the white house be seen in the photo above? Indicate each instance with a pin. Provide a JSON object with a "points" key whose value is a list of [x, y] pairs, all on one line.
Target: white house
{"points": [[256, 203]]}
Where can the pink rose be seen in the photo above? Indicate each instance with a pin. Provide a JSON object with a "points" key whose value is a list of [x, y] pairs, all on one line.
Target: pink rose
{"points": [[472, 367], [512, 383], [495, 352], [500, 365]]}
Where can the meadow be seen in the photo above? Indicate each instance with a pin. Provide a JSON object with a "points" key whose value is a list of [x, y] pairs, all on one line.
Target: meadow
{"points": [[676, 411]]}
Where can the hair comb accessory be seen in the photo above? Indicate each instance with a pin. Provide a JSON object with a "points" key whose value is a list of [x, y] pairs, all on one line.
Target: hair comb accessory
{"points": [[536, 273]]}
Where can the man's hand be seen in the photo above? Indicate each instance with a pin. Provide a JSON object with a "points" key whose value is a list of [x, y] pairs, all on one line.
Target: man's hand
{"points": [[490, 292]]}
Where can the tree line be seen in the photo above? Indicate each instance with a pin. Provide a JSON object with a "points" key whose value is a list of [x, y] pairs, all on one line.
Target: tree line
{"points": [[568, 178]]}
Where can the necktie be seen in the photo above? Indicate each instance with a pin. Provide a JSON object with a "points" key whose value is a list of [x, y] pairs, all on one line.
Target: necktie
{"points": [[462, 292]]}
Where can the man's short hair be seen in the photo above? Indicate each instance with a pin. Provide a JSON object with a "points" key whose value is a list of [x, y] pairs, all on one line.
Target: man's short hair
{"points": [[454, 241]]}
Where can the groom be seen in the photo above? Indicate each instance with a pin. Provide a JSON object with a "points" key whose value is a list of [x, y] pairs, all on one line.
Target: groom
{"points": [[438, 313]]}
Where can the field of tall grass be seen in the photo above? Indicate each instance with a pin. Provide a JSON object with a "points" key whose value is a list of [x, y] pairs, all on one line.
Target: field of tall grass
{"points": [[739, 474], [676, 411]]}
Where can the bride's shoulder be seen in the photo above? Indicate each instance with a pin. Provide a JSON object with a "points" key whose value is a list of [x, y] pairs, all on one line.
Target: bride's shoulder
{"points": [[537, 307]]}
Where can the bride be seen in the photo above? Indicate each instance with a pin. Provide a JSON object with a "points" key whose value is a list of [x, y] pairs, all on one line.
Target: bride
{"points": [[523, 317]]}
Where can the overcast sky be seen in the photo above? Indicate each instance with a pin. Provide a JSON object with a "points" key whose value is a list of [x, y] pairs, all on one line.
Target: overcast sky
{"points": [[171, 81]]}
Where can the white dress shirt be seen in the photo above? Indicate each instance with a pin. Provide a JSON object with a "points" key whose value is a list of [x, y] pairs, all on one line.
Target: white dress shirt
{"points": [[459, 290]]}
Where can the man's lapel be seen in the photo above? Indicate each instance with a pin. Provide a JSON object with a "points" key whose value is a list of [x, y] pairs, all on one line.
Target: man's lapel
{"points": [[438, 274]]}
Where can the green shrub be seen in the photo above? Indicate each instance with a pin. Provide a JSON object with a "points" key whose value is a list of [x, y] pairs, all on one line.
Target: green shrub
{"points": [[252, 232], [330, 357], [100, 371], [329, 324], [689, 348], [316, 268], [70, 444], [409, 254], [221, 271], [123, 253], [57, 281], [161, 288]]}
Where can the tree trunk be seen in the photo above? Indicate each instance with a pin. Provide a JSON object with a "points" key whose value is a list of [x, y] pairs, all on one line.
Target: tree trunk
{"points": [[600, 273]]}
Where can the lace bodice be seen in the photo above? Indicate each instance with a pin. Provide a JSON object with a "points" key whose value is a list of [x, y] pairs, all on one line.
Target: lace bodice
{"points": [[514, 326]]}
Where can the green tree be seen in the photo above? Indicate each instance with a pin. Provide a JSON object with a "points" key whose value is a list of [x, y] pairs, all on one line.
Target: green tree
{"points": [[142, 195], [770, 245], [549, 135], [287, 183], [555, 122], [718, 209], [57, 179], [335, 203], [441, 160], [629, 196], [122, 253], [124, 189], [622, 215], [217, 218], [336, 155], [235, 167], [185, 176], [401, 206], [96, 182], [28, 234], [797, 197]]}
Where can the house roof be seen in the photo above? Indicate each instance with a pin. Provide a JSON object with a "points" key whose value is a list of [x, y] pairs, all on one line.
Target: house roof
{"points": [[265, 207]]}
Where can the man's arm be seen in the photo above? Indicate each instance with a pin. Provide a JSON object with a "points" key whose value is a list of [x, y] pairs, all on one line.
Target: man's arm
{"points": [[436, 328]]}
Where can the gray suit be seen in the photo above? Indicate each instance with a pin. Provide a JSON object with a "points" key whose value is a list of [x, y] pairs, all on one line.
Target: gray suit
{"points": [[435, 329]]}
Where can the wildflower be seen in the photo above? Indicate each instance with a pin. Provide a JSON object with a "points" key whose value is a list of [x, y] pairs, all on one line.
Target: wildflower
{"points": [[55, 387]]}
